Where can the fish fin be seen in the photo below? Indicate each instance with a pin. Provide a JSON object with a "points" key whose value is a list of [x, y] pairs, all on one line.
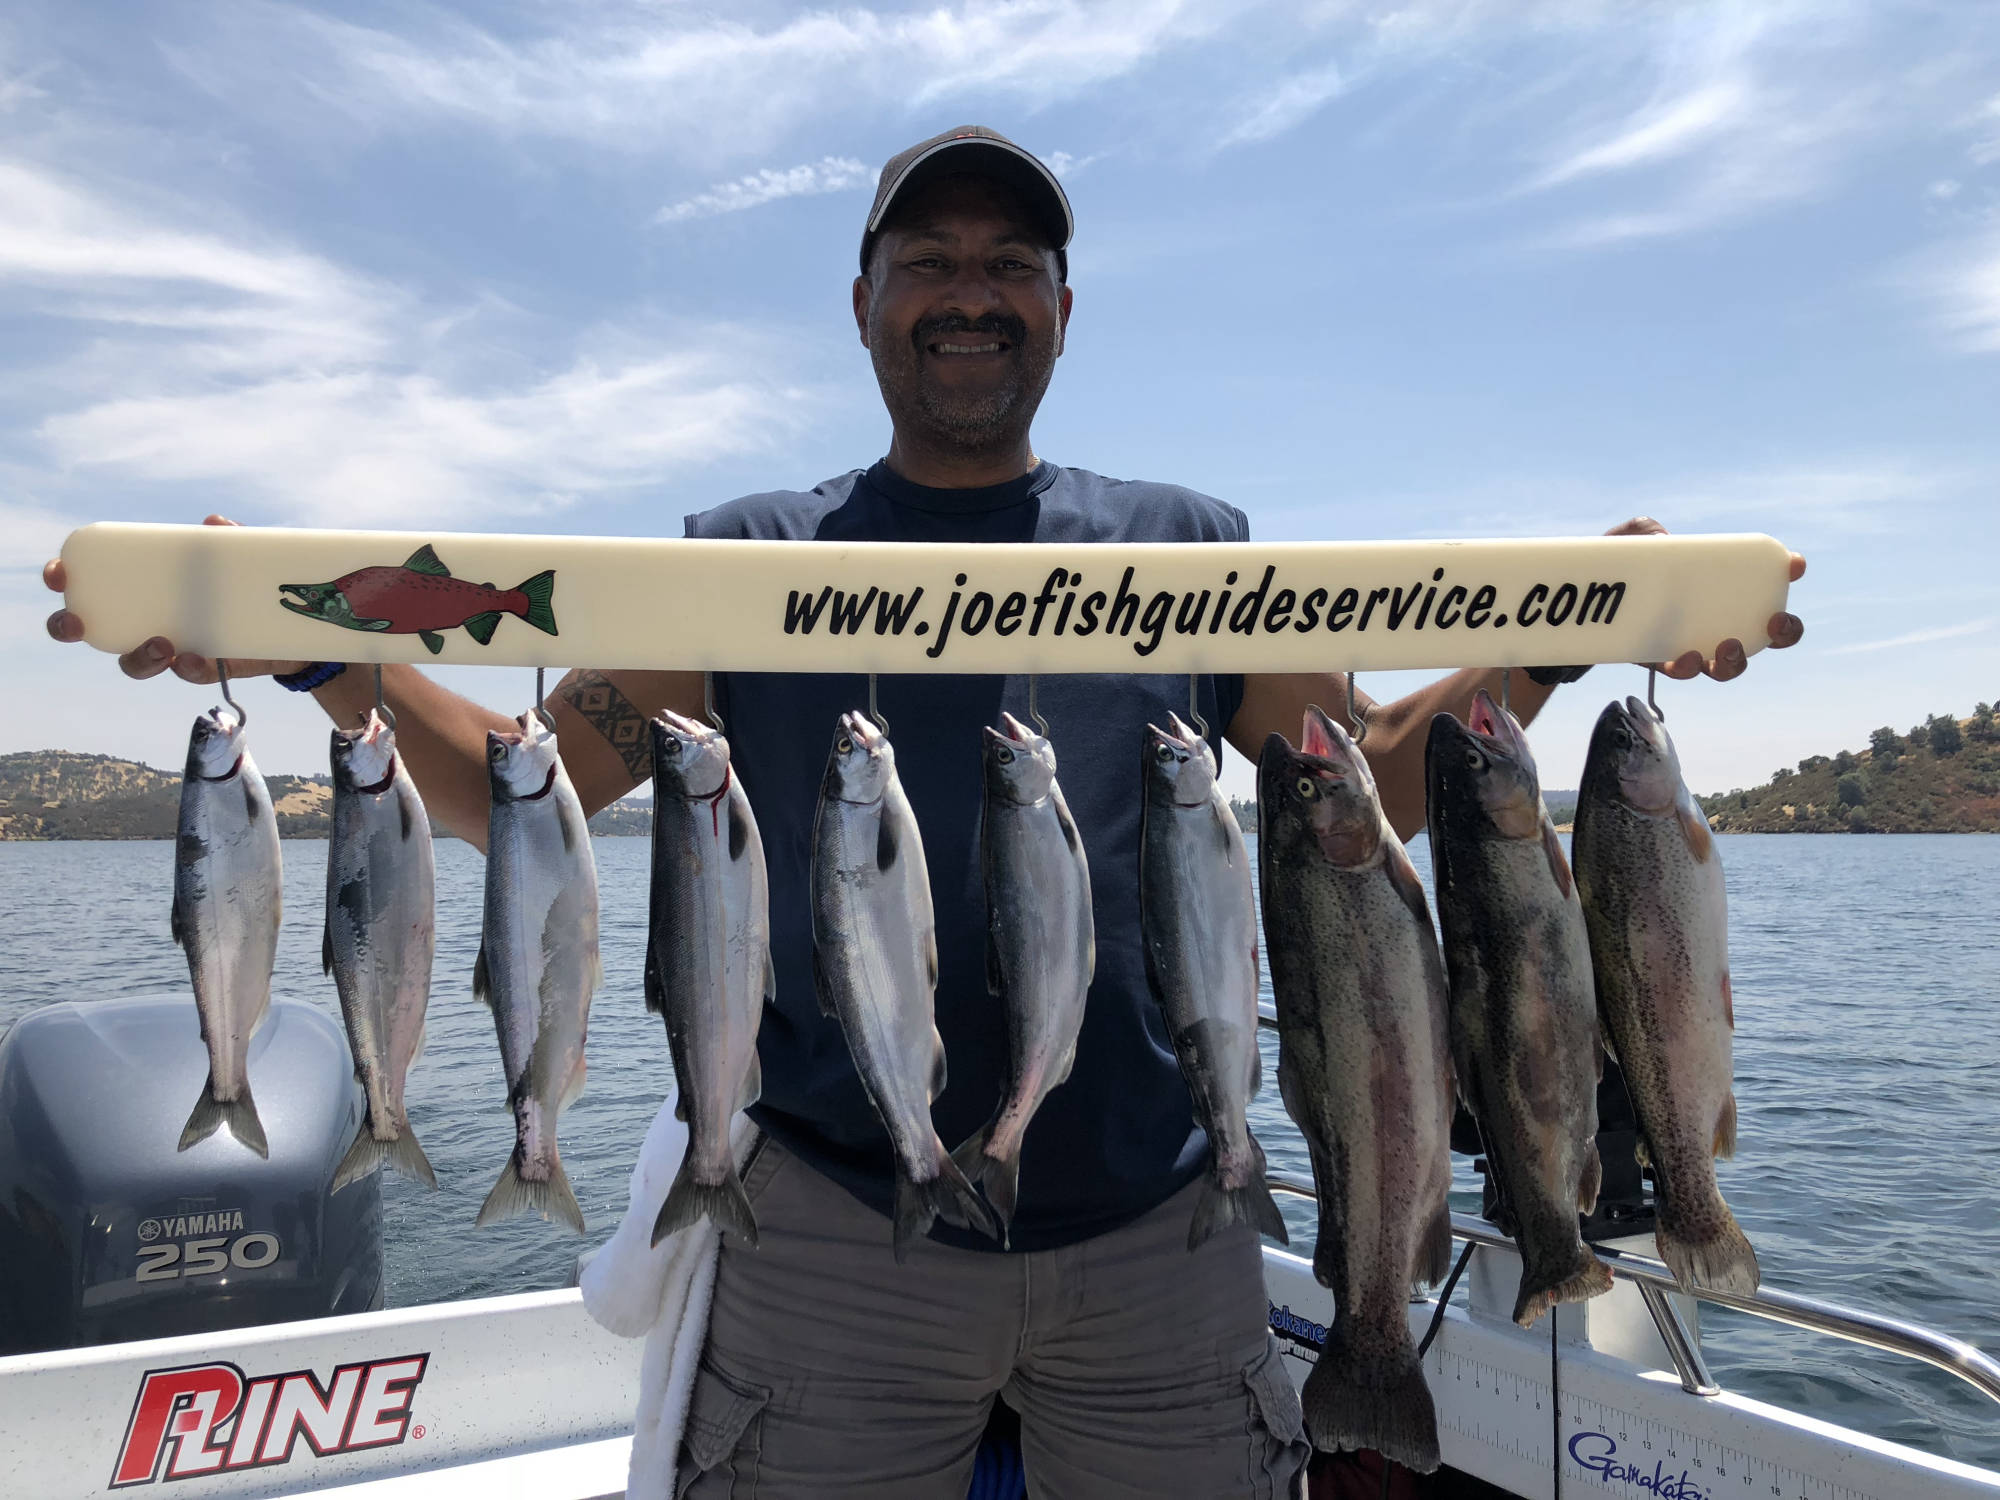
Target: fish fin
{"points": [[947, 1196], [1434, 1250], [996, 980], [681, 1107], [326, 948], [176, 926], [481, 627], [568, 833], [1728, 1002], [1641, 1151], [211, 1114], [1558, 865], [572, 1088], [885, 844], [482, 977], [938, 1072], [1385, 1405], [1219, 1207], [656, 988], [425, 560], [753, 1083], [1721, 1260], [1000, 1176], [1064, 821], [689, 1202], [770, 977], [1590, 1181], [970, 1154], [1577, 1280], [822, 988], [1403, 876], [371, 625], [1694, 828], [1725, 1129], [1060, 1075], [433, 642], [739, 831], [930, 957], [514, 1194], [250, 809], [541, 590], [406, 810], [367, 1153]]}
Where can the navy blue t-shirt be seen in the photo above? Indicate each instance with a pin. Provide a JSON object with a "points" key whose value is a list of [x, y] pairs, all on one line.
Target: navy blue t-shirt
{"points": [[1119, 1137]]}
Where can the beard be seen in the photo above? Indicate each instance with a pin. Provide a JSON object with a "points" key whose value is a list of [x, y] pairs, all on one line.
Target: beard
{"points": [[969, 422]]}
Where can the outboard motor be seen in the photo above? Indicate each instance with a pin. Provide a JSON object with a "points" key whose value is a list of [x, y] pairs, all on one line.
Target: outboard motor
{"points": [[107, 1232]]}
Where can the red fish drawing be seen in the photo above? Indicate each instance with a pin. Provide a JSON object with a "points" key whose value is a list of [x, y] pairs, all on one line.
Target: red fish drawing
{"points": [[421, 598]]}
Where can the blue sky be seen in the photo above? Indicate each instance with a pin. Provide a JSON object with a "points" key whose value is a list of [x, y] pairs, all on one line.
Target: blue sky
{"points": [[1439, 268]]}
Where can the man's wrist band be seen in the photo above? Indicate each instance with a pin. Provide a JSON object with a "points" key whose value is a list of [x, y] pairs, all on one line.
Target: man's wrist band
{"points": [[1554, 676], [318, 674]]}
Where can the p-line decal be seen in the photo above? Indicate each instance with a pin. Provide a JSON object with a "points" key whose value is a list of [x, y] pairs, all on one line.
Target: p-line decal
{"points": [[1130, 611]]}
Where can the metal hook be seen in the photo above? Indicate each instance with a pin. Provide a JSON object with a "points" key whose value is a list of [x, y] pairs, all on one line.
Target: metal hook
{"points": [[541, 712], [382, 709], [708, 701], [874, 712], [1652, 676], [222, 677], [1354, 712], [1194, 705], [1034, 709]]}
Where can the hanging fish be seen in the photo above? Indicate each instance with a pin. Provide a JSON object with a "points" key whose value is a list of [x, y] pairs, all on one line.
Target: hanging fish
{"points": [[708, 962], [421, 598], [228, 894], [1041, 946], [1364, 1065], [875, 967], [538, 961], [1523, 1003], [381, 930], [1650, 878], [1198, 922]]}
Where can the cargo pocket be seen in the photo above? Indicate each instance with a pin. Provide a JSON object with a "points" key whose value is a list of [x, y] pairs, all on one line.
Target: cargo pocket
{"points": [[1278, 1449], [721, 1442]]}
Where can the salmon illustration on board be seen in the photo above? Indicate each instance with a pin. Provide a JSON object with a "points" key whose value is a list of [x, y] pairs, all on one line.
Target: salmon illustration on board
{"points": [[421, 598]]}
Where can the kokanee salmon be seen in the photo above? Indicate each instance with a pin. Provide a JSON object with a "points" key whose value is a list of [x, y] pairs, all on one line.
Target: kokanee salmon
{"points": [[421, 598]]}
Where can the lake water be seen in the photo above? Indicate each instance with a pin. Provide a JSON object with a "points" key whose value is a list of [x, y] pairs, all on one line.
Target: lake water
{"points": [[1867, 1053]]}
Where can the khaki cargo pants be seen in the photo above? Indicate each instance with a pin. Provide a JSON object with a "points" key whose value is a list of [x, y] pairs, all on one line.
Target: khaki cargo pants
{"points": [[1140, 1371]]}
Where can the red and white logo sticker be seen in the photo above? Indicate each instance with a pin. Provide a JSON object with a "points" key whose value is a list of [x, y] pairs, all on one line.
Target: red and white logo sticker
{"points": [[205, 1419]]}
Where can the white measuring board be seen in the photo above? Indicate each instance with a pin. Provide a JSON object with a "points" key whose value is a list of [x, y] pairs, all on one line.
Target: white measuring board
{"points": [[892, 607], [1625, 1431]]}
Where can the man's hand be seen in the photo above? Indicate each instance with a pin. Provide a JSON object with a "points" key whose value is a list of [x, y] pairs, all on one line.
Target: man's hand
{"points": [[1729, 659], [150, 658]]}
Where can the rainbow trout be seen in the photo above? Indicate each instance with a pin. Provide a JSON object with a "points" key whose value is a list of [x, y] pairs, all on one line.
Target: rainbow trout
{"points": [[1651, 882], [1198, 920], [1523, 1004], [1365, 1068]]}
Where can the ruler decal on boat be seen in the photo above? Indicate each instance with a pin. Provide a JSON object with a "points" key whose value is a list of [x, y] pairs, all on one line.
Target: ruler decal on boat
{"points": [[624, 602]]}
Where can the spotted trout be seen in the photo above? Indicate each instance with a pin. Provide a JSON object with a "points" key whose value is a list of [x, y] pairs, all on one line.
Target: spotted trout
{"points": [[1365, 1070], [708, 963], [380, 935], [1524, 1027], [538, 961], [1198, 921], [1650, 878], [875, 968], [228, 893]]}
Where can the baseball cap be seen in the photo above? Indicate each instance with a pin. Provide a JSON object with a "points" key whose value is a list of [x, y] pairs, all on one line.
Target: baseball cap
{"points": [[975, 149]]}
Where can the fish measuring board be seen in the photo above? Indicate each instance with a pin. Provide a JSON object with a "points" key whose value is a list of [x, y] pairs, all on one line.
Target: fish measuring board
{"points": [[892, 607]]}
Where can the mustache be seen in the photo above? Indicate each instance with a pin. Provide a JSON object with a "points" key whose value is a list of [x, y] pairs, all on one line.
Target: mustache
{"points": [[1002, 326]]}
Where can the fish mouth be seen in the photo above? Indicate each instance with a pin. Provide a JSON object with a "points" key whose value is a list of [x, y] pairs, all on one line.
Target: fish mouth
{"points": [[1496, 725], [305, 604]]}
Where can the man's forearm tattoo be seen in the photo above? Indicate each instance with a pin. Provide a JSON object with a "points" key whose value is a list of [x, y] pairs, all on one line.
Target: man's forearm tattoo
{"points": [[598, 702]]}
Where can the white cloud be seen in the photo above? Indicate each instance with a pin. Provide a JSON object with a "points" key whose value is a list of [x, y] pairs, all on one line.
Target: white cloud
{"points": [[1943, 190], [1962, 284], [1916, 637], [29, 536], [1660, 132], [1289, 104], [831, 174]]}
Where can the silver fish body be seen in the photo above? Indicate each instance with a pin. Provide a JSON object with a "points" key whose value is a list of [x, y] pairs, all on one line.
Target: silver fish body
{"points": [[708, 962], [228, 897], [875, 967], [1650, 878], [538, 960], [380, 935], [1041, 946], [1198, 923], [1365, 1069], [1523, 1002]]}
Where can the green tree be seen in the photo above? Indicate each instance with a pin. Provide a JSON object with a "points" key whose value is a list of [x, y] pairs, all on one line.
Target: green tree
{"points": [[1844, 762], [1885, 745], [1983, 728], [1852, 792], [1945, 736], [1783, 773], [1812, 763]]}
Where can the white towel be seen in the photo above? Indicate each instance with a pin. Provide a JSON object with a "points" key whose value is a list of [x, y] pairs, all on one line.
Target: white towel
{"points": [[635, 1288]]}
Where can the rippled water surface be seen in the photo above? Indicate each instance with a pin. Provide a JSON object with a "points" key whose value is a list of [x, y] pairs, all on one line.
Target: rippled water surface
{"points": [[1867, 1067]]}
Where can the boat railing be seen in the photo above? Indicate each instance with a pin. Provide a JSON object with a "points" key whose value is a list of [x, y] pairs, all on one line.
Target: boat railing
{"points": [[1654, 1282]]}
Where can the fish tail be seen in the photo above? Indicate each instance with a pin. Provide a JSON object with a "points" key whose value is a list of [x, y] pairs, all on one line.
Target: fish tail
{"points": [[1252, 1204], [1718, 1258], [539, 591], [998, 1174], [366, 1154], [1385, 1406], [1543, 1286], [688, 1202], [514, 1194], [947, 1196], [239, 1114]]}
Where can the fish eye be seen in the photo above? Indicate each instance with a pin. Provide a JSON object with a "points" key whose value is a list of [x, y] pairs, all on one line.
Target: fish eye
{"points": [[1163, 753], [496, 752], [670, 746], [1475, 760], [1622, 737], [1307, 788], [845, 744], [1003, 755]]}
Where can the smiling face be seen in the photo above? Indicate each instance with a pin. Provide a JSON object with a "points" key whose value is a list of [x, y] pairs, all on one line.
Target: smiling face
{"points": [[963, 316]]}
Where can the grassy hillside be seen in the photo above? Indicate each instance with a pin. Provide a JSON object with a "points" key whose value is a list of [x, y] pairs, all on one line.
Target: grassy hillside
{"points": [[1941, 776], [57, 794]]}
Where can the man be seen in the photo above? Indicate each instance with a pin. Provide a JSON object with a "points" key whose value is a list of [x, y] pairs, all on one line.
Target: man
{"points": [[1137, 1367]]}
